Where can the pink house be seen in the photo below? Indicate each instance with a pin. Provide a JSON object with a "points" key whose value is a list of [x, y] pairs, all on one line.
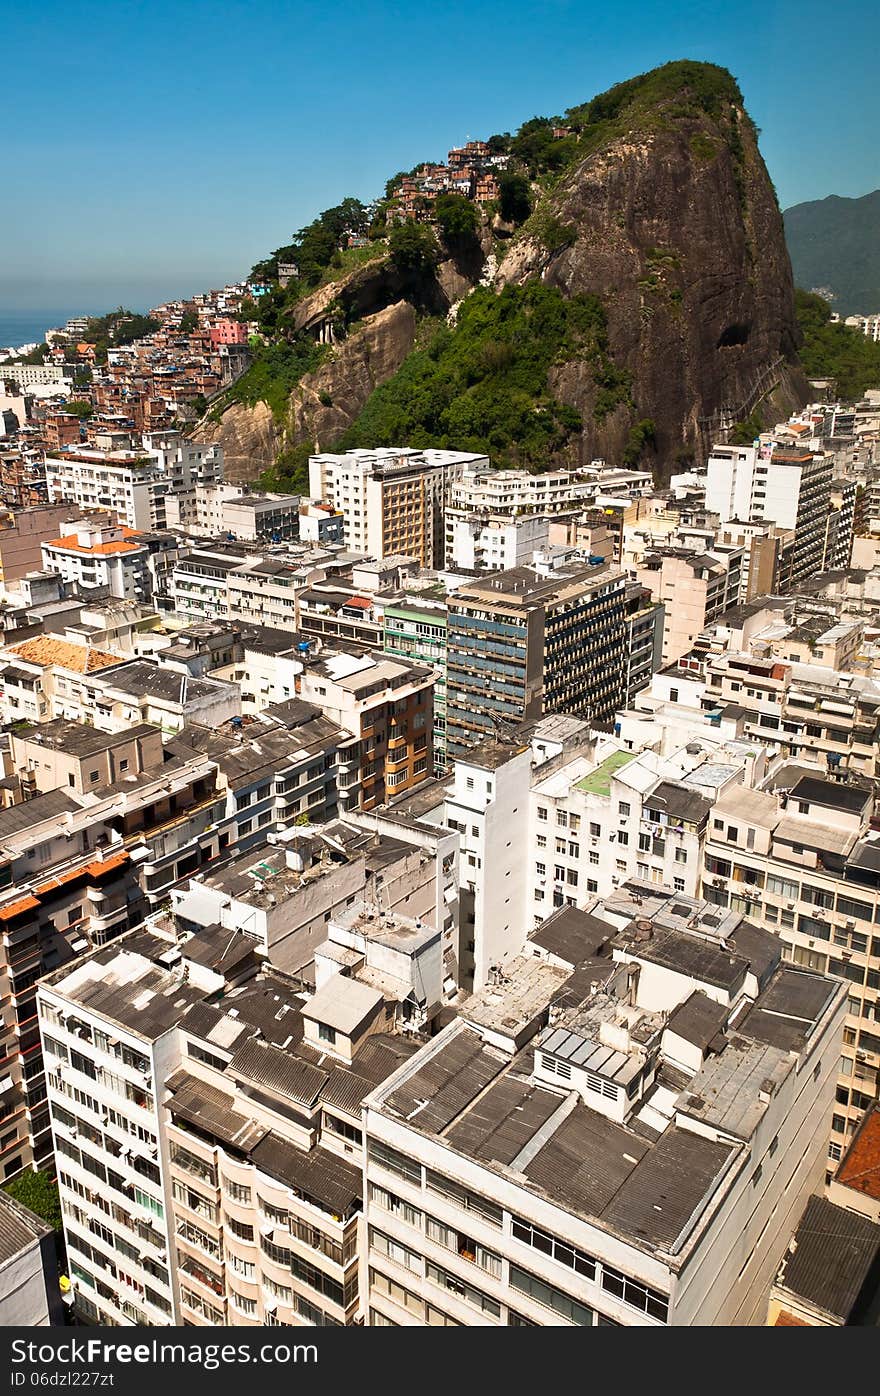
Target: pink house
{"points": [[228, 332]]}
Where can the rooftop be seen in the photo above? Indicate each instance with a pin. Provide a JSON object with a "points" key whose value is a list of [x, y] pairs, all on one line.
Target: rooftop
{"points": [[20, 1228], [598, 782], [860, 1168], [45, 650], [829, 1258], [76, 739]]}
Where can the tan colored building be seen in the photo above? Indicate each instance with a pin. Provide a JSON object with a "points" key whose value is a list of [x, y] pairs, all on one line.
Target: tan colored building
{"points": [[389, 706], [21, 542], [693, 588], [70, 755]]}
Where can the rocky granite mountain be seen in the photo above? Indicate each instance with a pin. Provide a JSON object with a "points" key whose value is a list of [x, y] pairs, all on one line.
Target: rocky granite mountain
{"points": [[645, 301], [834, 245]]}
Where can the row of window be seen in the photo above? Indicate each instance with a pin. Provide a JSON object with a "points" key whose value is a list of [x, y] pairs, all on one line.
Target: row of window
{"points": [[631, 1291]]}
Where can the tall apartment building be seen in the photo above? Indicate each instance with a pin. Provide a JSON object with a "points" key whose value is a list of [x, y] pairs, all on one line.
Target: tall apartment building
{"points": [[134, 482], [571, 1150], [693, 589], [415, 629], [787, 487], [597, 821], [645, 623], [126, 481], [207, 1128], [527, 642], [802, 859], [392, 498], [388, 707]]}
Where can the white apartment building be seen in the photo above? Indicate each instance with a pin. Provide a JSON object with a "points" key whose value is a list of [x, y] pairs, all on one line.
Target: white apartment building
{"points": [[789, 487], [36, 375], [392, 498], [802, 860], [209, 1171], [198, 583], [264, 591], [221, 509], [100, 555], [135, 482], [487, 805], [571, 1151], [598, 820], [126, 481]]}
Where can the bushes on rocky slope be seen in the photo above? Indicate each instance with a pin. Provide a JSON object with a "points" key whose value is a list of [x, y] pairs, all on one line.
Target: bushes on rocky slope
{"points": [[483, 386], [834, 350]]}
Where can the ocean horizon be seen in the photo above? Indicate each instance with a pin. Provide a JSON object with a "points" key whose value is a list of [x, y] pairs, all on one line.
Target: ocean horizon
{"points": [[19, 327]]}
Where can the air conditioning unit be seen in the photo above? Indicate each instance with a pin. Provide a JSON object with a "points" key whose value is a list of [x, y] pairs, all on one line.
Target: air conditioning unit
{"points": [[861, 1054], [850, 924], [789, 906]]}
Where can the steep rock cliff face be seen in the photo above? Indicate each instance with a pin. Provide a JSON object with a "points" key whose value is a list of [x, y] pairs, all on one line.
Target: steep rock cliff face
{"points": [[249, 436], [328, 400], [381, 309], [678, 232]]}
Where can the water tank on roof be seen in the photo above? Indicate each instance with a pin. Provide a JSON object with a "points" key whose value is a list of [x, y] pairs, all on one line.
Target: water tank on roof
{"points": [[303, 647], [595, 560]]}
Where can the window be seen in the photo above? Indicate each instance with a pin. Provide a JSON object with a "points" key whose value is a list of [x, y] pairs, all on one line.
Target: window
{"points": [[399, 1164], [394, 1250], [468, 1293], [561, 1304], [637, 1295], [239, 1192], [242, 1230], [550, 1245], [326, 1034], [562, 818], [681, 855], [542, 813], [678, 884], [595, 830], [389, 1202], [462, 1197], [463, 1245], [623, 808]]}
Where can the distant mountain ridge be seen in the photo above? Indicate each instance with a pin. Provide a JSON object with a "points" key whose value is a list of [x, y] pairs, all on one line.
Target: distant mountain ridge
{"points": [[834, 243]]}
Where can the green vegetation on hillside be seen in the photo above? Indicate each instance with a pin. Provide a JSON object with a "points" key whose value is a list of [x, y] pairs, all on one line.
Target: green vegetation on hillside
{"points": [[78, 408], [39, 1192], [274, 373], [834, 243], [483, 385], [118, 327], [834, 350], [674, 90], [458, 220]]}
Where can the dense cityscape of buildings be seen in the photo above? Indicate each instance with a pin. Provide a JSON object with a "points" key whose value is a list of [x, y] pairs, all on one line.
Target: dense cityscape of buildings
{"points": [[446, 898]]}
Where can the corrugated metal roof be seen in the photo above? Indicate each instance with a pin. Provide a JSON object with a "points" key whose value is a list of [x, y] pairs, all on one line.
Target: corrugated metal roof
{"points": [[586, 1161], [294, 1078], [660, 1196], [504, 1120], [210, 1110], [318, 1176], [447, 1083], [19, 1228], [833, 1251]]}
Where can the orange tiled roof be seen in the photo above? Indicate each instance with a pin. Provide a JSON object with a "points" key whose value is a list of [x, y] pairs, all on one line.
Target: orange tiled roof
{"points": [[786, 1320], [72, 544], [16, 908], [47, 649], [860, 1168]]}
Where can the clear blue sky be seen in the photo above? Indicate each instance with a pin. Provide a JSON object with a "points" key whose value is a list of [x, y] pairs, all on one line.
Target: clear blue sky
{"points": [[163, 147]]}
